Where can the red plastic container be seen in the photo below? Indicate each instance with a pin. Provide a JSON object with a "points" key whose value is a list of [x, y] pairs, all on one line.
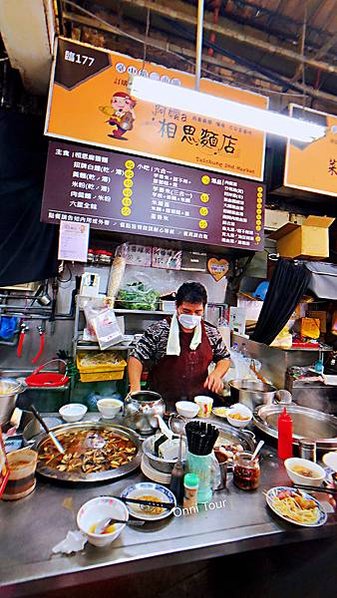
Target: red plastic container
{"points": [[285, 435], [47, 379]]}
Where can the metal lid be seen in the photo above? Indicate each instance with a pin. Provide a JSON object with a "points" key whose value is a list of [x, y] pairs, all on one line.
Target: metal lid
{"points": [[307, 423]]}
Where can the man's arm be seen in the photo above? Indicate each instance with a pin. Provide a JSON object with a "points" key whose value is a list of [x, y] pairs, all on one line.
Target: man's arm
{"points": [[214, 380], [135, 369]]}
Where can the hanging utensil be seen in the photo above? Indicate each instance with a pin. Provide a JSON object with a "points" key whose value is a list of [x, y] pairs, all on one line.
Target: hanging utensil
{"points": [[49, 432], [41, 330], [23, 331]]}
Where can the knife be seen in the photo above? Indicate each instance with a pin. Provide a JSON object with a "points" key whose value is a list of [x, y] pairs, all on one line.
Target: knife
{"points": [[49, 432], [149, 503]]}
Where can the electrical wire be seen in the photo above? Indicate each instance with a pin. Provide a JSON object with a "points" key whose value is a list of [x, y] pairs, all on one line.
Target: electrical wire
{"points": [[62, 280]]}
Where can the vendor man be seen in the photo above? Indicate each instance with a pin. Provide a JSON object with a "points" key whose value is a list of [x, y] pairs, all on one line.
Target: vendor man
{"points": [[180, 349]]}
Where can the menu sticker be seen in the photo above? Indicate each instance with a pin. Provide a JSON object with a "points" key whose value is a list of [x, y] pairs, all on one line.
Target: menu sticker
{"points": [[73, 241], [135, 195]]}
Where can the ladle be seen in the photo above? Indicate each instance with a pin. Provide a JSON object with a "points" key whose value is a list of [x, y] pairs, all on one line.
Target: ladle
{"points": [[257, 450]]}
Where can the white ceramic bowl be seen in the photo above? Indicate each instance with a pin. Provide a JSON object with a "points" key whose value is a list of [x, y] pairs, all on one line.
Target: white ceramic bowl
{"points": [[307, 465], [109, 408], [73, 412], [97, 509], [244, 411], [187, 409]]}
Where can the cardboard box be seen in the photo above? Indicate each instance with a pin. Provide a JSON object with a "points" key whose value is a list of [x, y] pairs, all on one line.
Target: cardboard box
{"points": [[311, 239]]}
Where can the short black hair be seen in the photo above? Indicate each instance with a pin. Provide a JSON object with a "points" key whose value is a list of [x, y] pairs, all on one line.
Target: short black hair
{"points": [[191, 292]]}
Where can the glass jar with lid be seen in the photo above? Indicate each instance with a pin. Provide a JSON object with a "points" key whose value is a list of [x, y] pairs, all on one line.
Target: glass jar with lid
{"points": [[246, 471]]}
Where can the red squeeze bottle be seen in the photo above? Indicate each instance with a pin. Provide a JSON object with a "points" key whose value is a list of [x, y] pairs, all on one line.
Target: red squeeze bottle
{"points": [[285, 435]]}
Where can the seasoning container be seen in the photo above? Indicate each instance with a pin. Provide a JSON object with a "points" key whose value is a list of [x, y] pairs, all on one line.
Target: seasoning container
{"points": [[246, 471], [91, 258], [285, 435], [21, 480], [191, 485], [307, 449], [103, 257]]}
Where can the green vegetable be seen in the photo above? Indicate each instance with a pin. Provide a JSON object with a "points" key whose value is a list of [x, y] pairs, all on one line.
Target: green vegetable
{"points": [[137, 295]]}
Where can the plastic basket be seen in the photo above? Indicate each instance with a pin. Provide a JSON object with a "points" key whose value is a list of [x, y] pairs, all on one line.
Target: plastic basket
{"points": [[101, 371], [47, 379]]}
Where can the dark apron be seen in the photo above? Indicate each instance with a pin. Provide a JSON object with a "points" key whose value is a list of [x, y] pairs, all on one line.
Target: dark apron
{"points": [[182, 377]]}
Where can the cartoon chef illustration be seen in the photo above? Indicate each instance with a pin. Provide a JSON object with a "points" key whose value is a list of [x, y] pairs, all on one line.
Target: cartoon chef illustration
{"points": [[121, 114]]}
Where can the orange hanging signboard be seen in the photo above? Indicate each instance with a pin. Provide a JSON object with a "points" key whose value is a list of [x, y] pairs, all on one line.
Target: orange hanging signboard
{"points": [[313, 166], [89, 102]]}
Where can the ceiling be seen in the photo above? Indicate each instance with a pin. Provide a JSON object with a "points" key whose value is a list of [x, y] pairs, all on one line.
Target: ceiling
{"points": [[286, 48]]}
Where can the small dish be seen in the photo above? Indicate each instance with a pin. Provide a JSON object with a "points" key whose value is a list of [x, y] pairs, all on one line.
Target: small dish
{"points": [[109, 408], [330, 460], [274, 495], [187, 409], [73, 412], [299, 471], [149, 491], [239, 415], [97, 509], [221, 412]]}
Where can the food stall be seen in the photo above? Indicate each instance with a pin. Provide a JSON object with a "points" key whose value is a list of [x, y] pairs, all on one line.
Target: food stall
{"points": [[171, 219]]}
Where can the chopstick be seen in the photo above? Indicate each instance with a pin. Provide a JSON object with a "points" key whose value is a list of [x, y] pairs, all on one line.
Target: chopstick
{"points": [[316, 489], [149, 503]]}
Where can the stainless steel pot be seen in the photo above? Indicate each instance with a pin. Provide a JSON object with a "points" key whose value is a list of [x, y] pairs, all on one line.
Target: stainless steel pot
{"points": [[158, 463], [9, 390], [252, 393], [141, 409]]}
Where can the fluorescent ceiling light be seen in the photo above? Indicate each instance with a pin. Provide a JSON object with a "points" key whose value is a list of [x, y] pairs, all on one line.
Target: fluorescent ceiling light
{"points": [[189, 100]]}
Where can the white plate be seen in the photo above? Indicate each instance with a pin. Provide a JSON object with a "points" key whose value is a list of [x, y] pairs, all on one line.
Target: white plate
{"points": [[273, 493], [153, 474], [148, 489], [220, 412], [330, 460]]}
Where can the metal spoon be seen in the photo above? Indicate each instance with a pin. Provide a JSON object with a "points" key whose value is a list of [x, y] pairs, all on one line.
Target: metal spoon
{"points": [[101, 526], [257, 450]]}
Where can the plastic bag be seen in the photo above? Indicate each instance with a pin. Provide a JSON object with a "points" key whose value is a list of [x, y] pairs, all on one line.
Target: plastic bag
{"points": [[138, 295], [102, 322], [117, 271]]}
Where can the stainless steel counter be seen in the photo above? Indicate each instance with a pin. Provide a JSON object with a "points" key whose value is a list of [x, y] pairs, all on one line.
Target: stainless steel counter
{"points": [[234, 521]]}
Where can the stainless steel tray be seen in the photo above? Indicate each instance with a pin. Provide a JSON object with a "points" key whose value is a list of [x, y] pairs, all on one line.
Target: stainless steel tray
{"points": [[307, 423], [111, 474]]}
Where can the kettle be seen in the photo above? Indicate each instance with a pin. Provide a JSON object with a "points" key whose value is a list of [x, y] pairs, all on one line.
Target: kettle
{"points": [[140, 410]]}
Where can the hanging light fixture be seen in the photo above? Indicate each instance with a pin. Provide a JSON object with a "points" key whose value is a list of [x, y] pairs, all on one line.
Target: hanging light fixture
{"points": [[190, 100]]}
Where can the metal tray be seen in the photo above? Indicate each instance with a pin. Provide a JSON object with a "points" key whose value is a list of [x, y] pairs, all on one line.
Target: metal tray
{"points": [[307, 423], [230, 435], [111, 474]]}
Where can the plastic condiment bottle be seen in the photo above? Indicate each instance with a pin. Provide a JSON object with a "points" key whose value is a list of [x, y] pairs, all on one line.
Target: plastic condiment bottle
{"points": [[191, 485], [285, 435]]}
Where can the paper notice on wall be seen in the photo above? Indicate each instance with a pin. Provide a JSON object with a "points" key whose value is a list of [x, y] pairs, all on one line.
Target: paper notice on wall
{"points": [[73, 241]]}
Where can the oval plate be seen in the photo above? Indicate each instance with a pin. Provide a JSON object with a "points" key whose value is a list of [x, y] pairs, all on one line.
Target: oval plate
{"points": [[307, 423], [220, 412], [97, 476], [148, 489], [274, 492]]}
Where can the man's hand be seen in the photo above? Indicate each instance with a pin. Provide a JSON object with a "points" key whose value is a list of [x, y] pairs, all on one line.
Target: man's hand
{"points": [[214, 382]]}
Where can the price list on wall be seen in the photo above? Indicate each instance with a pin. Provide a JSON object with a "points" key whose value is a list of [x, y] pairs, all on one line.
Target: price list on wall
{"points": [[115, 192]]}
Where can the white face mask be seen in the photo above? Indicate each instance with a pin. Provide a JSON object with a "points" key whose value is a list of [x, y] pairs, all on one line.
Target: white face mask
{"points": [[188, 321]]}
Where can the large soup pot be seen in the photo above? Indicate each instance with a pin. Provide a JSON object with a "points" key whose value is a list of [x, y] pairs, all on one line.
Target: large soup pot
{"points": [[252, 393], [9, 390], [140, 410]]}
